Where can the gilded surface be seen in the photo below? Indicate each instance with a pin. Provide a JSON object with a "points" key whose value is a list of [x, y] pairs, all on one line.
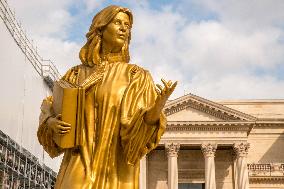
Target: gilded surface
{"points": [[123, 119]]}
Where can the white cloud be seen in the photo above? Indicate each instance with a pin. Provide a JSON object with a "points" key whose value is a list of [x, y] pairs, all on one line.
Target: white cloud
{"points": [[210, 56], [237, 86], [247, 15], [92, 4], [212, 45], [46, 17]]}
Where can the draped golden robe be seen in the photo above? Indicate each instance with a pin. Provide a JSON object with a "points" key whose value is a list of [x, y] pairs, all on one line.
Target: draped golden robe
{"points": [[115, 134]]}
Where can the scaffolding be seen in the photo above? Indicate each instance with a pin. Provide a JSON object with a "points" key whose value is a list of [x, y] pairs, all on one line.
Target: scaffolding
{"points": [[45, 68], [19, 169]]}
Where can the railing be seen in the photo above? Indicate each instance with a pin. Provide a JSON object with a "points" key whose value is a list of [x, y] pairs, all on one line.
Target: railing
{"points": [[50, 72], [45, 68], [20, 169], [266, 170]]}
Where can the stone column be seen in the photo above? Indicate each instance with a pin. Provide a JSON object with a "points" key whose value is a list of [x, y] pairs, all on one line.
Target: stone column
{"points": [[208, 151], [235, 171], [172, 151], [143, 173], [241, 150]]}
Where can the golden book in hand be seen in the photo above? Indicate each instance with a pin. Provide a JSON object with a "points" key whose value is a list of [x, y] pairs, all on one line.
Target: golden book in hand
{"points": [[69, 101]]}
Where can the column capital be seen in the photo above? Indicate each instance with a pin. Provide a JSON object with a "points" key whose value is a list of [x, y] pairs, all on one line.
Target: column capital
{"points": [[241, 149], [209, 149], [172, 149]]}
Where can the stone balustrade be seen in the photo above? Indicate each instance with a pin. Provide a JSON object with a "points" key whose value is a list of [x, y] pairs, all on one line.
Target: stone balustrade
{"points": [[263, 170]]}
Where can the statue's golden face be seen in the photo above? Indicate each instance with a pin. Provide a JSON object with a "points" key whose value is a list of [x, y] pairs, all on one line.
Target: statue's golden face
{"points": [[116, 33]]}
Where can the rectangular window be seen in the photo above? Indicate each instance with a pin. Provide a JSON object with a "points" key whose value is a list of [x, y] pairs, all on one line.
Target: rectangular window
{"points": [[191, 186]]}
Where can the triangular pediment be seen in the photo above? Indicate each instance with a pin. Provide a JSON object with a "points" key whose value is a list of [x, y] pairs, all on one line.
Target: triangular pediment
{"points": [[191, 114], [194, 108]]}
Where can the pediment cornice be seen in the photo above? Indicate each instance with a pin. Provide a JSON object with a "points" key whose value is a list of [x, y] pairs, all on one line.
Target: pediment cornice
{"points": [[269, 123], [210, 125], [220, 125], [206, 106]]}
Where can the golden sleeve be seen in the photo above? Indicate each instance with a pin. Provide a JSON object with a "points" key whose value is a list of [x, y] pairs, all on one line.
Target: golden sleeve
{"points": [[137, 137], [44, 133]]}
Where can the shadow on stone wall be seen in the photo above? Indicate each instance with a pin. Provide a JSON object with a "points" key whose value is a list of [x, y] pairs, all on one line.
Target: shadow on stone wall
{"points": [[275, 153]]}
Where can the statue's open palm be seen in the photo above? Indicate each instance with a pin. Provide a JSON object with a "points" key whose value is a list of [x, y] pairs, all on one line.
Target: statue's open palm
{"points": [[165, 92], [153, 115]]}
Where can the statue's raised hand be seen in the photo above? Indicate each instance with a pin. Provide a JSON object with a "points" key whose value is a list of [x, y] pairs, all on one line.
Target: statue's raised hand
{"points": [[58, 126], [163, 92]]}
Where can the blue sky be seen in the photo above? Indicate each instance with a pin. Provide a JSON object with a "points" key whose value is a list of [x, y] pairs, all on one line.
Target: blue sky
{"points": [[225, 49], [196, 13]]}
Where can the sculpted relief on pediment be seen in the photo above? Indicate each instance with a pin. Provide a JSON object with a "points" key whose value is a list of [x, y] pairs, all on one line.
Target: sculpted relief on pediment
{"points": [[190, 114], [194, 108]]}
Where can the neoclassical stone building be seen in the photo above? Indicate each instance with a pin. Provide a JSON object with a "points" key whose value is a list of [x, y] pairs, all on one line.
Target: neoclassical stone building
{"points": [[237, 144]]}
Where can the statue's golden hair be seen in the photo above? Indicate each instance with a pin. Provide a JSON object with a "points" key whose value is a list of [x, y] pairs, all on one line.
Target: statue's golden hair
{"points": [[90, 52]]}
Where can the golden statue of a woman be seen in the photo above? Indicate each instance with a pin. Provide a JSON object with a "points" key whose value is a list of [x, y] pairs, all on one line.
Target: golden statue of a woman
{"points": [[123, 111]]}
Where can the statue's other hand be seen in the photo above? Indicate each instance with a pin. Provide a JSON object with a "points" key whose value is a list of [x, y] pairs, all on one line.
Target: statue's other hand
{"points": [[58, 126], [153, 114], [164, 92]]}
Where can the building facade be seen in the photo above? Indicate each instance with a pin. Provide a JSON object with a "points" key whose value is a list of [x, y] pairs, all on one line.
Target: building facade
{"points": [[218, 145]]}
